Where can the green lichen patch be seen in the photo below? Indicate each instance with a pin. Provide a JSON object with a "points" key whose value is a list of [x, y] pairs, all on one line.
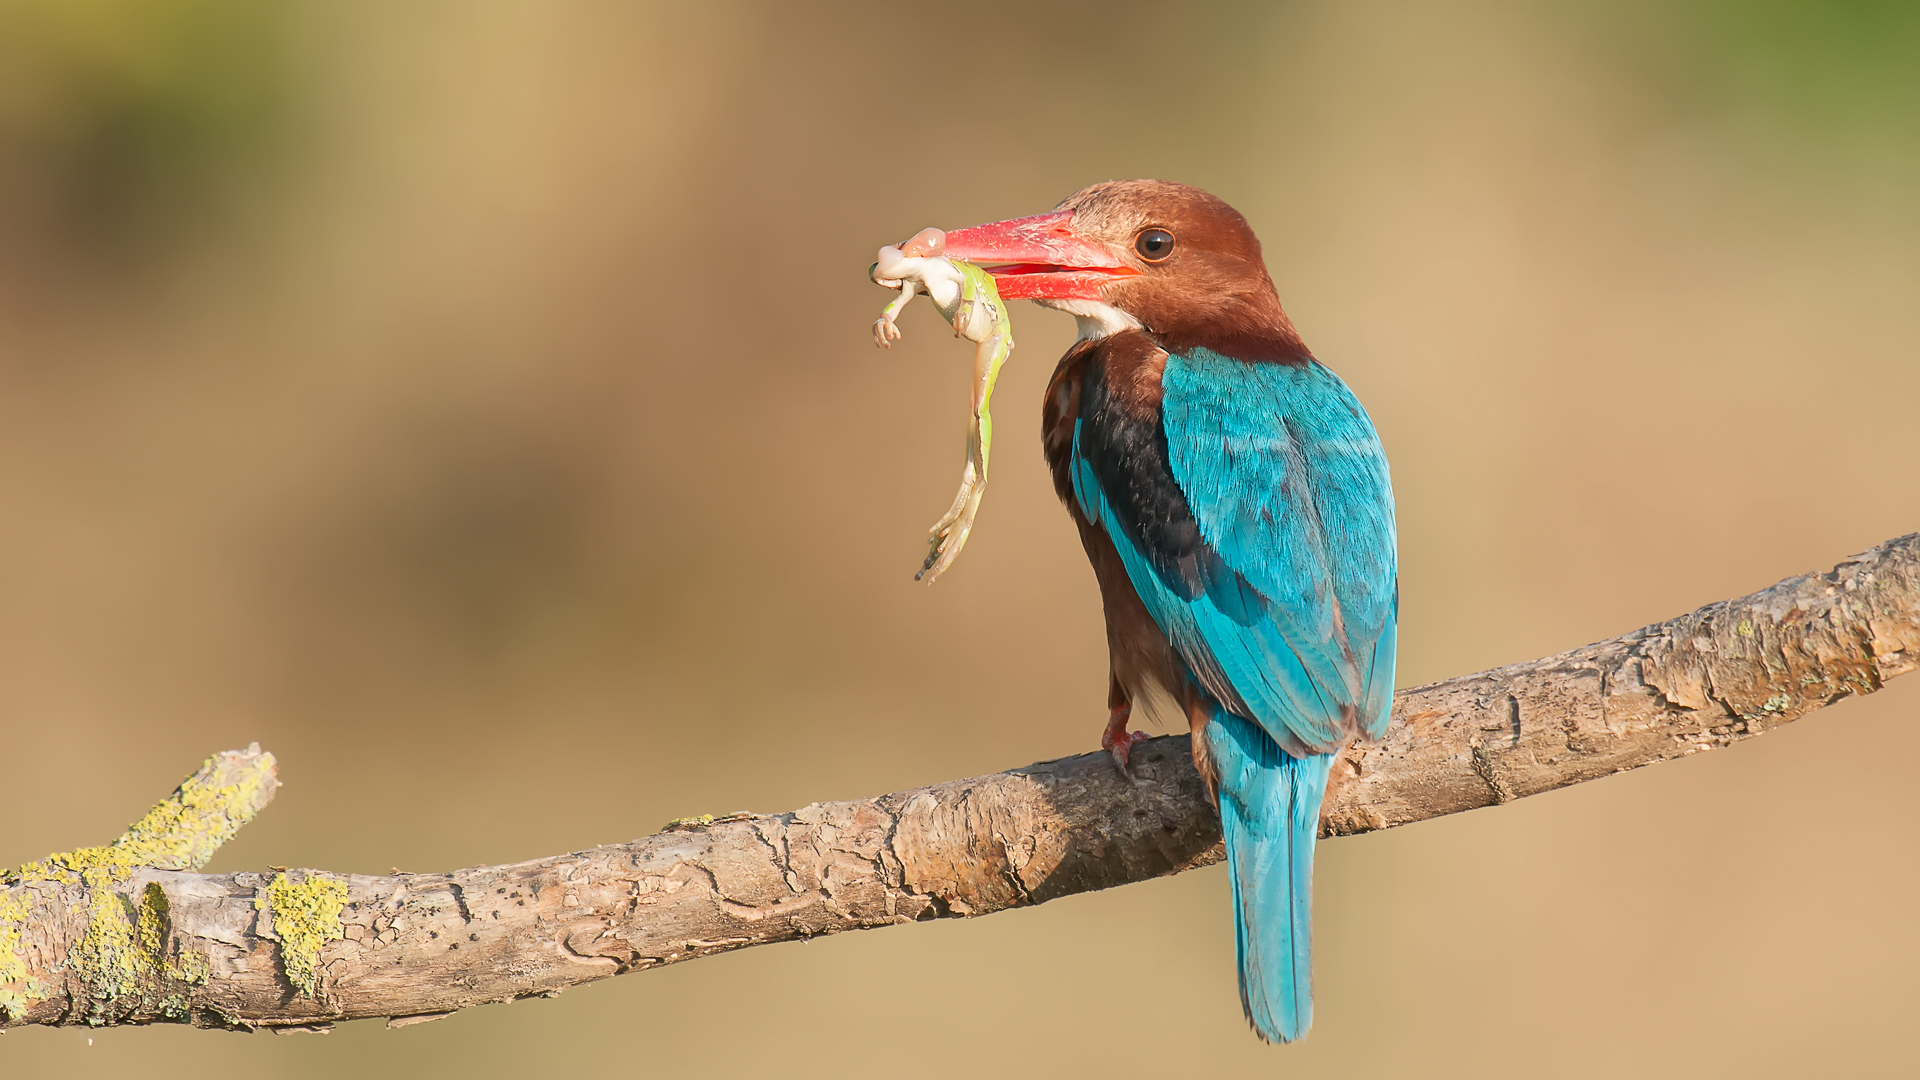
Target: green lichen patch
{"points": [[153, 933], [108, 956], [151, 929], [118, 957], [189, 967], [306, 915], [123, 956]]}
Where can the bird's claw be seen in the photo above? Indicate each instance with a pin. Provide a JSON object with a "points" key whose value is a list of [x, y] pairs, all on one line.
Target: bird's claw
{"points": [[1118, 741]]}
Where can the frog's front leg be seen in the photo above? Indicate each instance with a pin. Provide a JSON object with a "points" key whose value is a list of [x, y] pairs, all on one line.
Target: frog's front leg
{"points": [[885, 329]]}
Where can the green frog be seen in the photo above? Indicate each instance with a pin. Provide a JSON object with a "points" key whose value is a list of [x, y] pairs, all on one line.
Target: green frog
{"points": [[968, 300]]}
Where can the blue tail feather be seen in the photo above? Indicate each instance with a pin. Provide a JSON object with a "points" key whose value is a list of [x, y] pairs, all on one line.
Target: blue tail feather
{"points": [[1270, 815]]}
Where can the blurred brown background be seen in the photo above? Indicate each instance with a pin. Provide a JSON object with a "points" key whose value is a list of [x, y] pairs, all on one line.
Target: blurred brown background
{"points": [[472, 402]]}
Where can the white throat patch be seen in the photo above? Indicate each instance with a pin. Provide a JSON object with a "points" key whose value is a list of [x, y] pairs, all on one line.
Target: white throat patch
{"points": [[1096, 318]]}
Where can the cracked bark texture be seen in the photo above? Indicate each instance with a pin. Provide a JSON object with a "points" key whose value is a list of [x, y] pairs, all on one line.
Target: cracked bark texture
{"points": [[413, 947]]}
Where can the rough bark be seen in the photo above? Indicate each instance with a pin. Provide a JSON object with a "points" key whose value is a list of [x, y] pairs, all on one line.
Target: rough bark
{"points": [[303, 949]]}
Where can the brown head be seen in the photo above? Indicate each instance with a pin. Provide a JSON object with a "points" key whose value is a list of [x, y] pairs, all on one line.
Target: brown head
{"points": [[1168, 258]]}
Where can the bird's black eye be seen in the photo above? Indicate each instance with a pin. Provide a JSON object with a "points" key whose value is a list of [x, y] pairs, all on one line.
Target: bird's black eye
{"points": [[1154, 244]]}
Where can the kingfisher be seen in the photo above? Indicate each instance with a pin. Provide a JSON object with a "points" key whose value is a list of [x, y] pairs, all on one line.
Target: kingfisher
{"points": [[1233, 498]]}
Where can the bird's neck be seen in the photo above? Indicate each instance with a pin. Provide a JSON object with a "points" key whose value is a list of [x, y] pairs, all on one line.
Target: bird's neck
{"points": [[1241, 319], [1247, 325], [1095, 318]]}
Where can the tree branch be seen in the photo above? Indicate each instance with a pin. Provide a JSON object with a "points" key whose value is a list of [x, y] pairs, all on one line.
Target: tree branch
{"points": [[127, 934]]}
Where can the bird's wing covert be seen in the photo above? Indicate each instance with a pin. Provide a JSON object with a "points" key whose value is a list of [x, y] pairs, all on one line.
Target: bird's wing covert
{"points": [[1281, 593]]}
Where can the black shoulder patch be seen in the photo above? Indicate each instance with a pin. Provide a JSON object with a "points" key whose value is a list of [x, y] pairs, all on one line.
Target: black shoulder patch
{"points": [[1126, 449]]}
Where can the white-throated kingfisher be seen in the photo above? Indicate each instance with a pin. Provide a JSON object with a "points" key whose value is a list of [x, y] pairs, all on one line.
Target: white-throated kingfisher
{"points": [[1233, 498]]}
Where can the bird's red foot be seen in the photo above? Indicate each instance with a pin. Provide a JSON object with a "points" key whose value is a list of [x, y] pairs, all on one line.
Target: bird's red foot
{"points": [[1117, 740]]}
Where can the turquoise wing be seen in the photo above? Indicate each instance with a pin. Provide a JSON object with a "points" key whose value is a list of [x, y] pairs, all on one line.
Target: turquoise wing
{"points": [[1257, 525]]}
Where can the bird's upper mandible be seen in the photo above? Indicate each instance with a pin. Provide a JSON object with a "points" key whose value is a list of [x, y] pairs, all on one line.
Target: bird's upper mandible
{"points": [[1149, 254]]}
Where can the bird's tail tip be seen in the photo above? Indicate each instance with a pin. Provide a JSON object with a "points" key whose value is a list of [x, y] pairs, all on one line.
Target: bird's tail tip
{"points": [[1270, 817]]}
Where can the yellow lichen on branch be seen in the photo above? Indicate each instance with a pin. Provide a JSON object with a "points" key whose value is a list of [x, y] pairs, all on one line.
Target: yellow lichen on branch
{"points": [[299, 950], [18, 987], [183, 831], [306, 915], [124, 950]]}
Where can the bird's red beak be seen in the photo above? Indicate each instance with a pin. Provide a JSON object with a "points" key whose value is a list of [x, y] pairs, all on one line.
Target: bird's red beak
{"points": [[1038, 258]]}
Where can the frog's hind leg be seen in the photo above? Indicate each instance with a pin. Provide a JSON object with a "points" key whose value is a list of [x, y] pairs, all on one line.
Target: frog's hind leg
{"points": [[949, 534]]}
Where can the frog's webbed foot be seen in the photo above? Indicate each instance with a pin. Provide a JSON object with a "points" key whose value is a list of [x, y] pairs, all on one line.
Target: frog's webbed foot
{"points": [[949, 534], [885, 331], [944, 545]]}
